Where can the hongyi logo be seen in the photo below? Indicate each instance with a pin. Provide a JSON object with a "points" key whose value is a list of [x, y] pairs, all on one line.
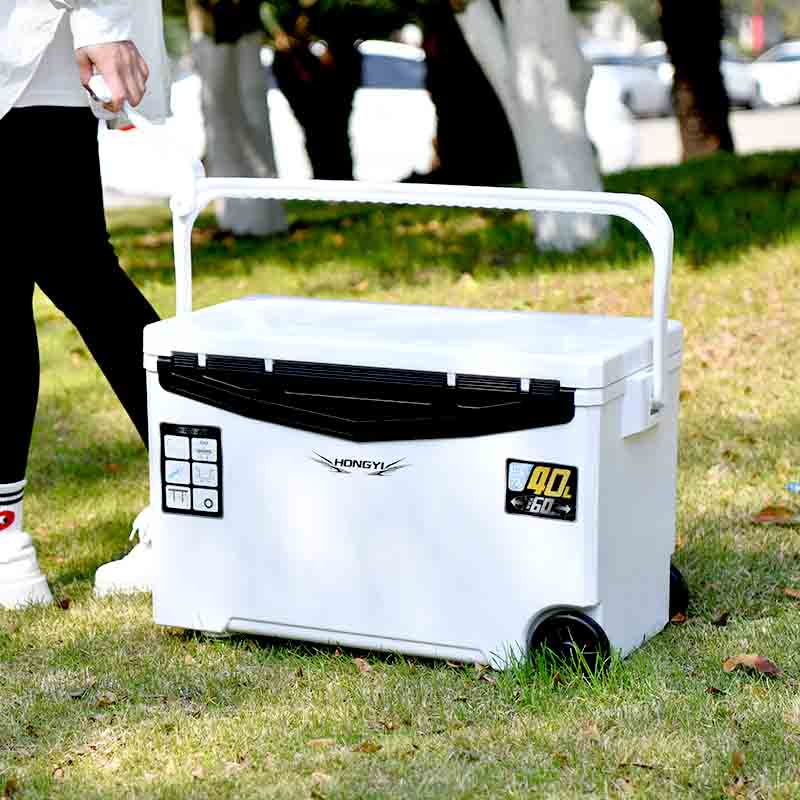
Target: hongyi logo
{"points": [[345, 466]]}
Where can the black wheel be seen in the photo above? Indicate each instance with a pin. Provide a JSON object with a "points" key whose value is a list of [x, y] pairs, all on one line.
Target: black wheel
{"points": [[678, 592], [572, 637]]}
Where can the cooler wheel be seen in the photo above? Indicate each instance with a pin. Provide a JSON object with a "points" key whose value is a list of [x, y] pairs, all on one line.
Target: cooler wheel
{"points": [[566, 633]]}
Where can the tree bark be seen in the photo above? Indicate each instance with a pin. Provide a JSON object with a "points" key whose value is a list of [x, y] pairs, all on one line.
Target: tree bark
{"points": [[532, 59], [693, 34], [236, 118], [467, 109], [320, 90]]}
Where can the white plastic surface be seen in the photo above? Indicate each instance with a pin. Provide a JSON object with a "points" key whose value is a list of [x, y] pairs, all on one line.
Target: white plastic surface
{"points": [[425, 560], [581, 351]]}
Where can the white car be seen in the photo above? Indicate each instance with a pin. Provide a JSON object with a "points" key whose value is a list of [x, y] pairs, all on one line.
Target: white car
{"points": [[737, 74], [392, 127], [638, 84], [777, 74]]}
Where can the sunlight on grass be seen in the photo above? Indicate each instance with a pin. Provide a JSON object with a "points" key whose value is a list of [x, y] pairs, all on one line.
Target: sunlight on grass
{"points": [[95, 701]]}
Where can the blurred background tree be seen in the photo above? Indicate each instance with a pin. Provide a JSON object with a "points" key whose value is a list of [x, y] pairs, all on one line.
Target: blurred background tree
{"points": [[693, 35], [317, 65], [226, 41], [320, 81], [645, 14], [530, 54]]}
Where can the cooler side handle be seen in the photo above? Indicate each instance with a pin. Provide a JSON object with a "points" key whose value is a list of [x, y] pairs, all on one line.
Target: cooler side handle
{"points": [[647, 215]]}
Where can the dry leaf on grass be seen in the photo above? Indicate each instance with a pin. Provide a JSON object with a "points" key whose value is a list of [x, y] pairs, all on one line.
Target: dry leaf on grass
{"points": [[713, 690], [367, 746], [679, 618], [624, 786], [722, 620], [58, 773], [737, 789], [756, 663], [718, 472], [232, 767], [737, 761], [105, 699], [321, 744], [776, 515], [77, 694], [321, 779], [361, 665], [198, 773], [64, 603], [10, 789], [591, 731], [789, 592]]}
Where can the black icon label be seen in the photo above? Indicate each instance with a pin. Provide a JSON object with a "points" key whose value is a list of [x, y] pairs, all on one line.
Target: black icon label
{"points": [[191, 470], [541, 489]]}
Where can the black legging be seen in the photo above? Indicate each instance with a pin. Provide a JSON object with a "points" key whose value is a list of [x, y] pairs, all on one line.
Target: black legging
{"points": [[56, 238]]}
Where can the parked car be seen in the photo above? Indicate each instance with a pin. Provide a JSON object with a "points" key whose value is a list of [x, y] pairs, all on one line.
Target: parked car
{"points": [[392, 127], [777, 74], [638, 84], [740, 83]]}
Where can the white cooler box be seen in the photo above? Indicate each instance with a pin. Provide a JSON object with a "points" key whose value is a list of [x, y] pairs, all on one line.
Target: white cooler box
{"points": [[462, 484]]}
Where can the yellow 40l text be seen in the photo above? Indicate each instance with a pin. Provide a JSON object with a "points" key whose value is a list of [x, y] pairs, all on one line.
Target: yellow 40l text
{"points": [[551, 482]]}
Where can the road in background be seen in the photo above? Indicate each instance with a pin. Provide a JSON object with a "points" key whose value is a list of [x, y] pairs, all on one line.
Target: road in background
{"points": [[765, 129], [753, 131]]}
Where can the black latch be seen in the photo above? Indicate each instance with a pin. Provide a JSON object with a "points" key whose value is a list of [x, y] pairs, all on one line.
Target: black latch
{"points": [[185, 360], [544, 388], [235, 364], [487, 383]]}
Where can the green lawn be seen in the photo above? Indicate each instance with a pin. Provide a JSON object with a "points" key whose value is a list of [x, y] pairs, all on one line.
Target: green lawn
{"points": [[95, 701]]}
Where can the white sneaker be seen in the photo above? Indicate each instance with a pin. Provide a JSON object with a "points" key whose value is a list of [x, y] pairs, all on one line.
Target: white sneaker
{"points": [[21, 581], [134, 572]]}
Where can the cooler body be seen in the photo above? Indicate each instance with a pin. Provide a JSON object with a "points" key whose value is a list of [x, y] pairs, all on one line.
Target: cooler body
{"points": [[435, 513]]}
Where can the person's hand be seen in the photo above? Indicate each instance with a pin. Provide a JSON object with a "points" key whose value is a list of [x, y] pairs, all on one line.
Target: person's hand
{"points": [[123, 68]]}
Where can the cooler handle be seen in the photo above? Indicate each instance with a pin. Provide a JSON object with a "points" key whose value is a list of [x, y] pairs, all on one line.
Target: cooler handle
{"points": [[195, 192]]}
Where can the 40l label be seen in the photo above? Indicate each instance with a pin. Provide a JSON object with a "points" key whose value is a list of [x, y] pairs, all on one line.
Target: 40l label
{"points": [[539, 489]]}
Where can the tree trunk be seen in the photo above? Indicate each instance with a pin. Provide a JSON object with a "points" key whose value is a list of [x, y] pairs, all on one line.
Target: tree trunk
{"points": [[532, 60], [320, 91], [467, 109], [237, 124], [692, 33]]}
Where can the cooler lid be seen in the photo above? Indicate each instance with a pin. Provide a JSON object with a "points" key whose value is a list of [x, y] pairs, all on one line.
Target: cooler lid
{"points": [[581, 351]]}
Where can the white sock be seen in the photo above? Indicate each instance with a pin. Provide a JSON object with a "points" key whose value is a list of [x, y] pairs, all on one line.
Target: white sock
{"points": [[11, 495]]}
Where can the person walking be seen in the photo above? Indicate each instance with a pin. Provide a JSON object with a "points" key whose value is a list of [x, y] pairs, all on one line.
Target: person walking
{"points": [[49, 49]]}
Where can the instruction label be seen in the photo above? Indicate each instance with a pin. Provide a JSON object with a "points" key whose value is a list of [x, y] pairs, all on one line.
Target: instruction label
{"points": [[191, 470], [541, 489]]}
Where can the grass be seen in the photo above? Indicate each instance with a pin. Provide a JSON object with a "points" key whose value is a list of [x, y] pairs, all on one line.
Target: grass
{"points": [[95, 701]]}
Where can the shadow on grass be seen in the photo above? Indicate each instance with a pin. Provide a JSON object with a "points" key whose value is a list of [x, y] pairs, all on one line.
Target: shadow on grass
{"points": [[735, 565]]}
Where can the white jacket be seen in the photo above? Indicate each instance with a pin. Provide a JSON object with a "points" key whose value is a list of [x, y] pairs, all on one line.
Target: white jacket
{"points": [[27, 28]]}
